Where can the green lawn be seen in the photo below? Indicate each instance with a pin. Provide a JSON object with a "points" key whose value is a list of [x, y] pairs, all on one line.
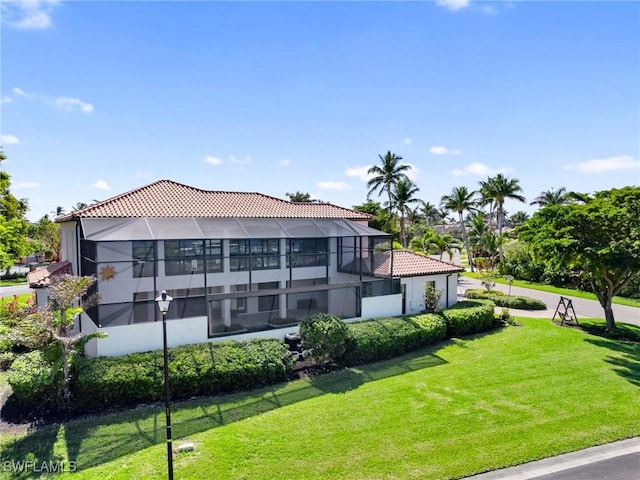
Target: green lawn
{"points": [[24, 298], [11, 283], [631, 302], [458, 408]]}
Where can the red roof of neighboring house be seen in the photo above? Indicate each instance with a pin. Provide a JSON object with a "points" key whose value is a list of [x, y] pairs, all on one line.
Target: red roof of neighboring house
{"points": [[42, 276], [410, 264], [166, 198]]}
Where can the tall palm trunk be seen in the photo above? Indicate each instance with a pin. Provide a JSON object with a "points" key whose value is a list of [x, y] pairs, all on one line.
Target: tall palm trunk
{"points": [[466, 242]]}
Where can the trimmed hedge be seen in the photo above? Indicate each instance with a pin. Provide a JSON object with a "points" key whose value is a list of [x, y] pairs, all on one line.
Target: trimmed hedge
{"points": [[507, 301], [470, 316], [378, 339], [201, 369]]}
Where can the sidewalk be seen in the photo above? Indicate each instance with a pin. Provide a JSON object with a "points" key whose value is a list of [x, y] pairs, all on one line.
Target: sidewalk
{"points": [[612, 461]]}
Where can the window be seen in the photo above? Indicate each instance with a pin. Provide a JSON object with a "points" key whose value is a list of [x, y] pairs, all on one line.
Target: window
{"points": [[306, 252], [239, 305], [255, 254], [88, 254], [144, 255], [268, 303], [184, 257]]}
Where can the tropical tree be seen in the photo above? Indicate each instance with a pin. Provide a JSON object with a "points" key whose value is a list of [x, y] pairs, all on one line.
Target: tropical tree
{"points": [[441, 243], [46, 235], [518, 218], [386, 175], [13, 224], [382, 219], [552, 197], [498, 189], [430, 213], [478, 227], [403, 195], [68, 298], [58, 211], [301, 197], [598, 240], [461, 200]]}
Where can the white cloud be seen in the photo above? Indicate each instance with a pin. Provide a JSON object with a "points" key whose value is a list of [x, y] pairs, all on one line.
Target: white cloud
{"points": [[439, 150], [453, 4], [285, 162], [9, 139], [412, 173], [477, 168], [6, 99], [212, 160], [331, 185], [28, 14], [22, 93], [25, 185], [360, 172], [598, 165], [71, 103], [101, 185], [408, 141], [239, 161]]}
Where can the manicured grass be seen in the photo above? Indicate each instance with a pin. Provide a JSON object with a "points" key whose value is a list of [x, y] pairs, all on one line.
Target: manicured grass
{"points": [[631, 302], [14, 282], [23, 298], [458, 408]]}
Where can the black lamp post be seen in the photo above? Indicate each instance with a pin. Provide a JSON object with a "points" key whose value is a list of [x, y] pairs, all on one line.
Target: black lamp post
{"points": [[164, 301]]}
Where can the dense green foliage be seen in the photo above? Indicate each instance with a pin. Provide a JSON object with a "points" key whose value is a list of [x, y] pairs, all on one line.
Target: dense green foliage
{"points": [[470, 316], [597, 238], [202, 369], [507, 301], [325, 336], [31, 377], [383, 338]]}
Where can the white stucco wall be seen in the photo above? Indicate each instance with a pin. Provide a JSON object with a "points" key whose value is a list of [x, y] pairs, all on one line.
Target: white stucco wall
{"points": [[384, 306], [414, 290]]}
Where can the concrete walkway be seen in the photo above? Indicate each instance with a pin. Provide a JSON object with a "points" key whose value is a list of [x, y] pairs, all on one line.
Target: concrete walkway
{"points": [[582, 306], [613, 461]]}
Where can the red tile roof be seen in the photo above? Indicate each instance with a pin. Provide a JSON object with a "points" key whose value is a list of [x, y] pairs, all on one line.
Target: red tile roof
{"points": [[42, 276], [166, 198], [409, 264]]}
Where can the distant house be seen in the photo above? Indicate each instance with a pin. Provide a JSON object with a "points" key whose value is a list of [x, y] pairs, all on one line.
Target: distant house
{"points": [[237, 264]]}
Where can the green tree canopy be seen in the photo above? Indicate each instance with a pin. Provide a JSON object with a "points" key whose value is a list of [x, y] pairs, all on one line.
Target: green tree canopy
{"points": [[301, 197], [386, 175], [598, 239]]}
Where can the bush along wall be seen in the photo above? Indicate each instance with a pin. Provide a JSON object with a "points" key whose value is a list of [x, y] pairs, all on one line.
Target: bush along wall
{"points": [[470, 316], [378, 339], [507, 301], [202, 369]]}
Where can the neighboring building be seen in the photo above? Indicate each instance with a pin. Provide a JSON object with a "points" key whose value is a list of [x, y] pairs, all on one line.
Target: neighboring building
{"points": [[237, 264]]}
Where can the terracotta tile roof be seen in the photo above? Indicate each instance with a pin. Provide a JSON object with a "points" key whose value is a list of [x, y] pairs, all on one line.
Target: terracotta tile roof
{"points": [[166, 198], [409, 264], [42, 276]]}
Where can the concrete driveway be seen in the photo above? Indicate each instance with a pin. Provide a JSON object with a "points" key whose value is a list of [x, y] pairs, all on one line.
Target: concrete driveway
{"points": [[583, 307]]}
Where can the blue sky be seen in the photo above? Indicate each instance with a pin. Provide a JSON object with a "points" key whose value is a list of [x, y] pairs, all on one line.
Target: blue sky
{"points": [[99, 98]]}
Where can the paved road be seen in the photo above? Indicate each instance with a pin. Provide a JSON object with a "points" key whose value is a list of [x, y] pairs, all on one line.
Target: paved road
{"points": [[17, 290], [583, 307]]}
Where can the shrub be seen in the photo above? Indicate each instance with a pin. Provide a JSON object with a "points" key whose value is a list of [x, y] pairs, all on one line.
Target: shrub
{"points": [[31, 378], [471, 316], [378, 339], [202, 369], [325, 335], [507, 301], [432, 298]]}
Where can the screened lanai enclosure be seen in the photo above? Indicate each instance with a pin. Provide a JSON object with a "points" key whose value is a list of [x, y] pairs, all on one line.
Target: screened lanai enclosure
{"points": [[243, 275]]}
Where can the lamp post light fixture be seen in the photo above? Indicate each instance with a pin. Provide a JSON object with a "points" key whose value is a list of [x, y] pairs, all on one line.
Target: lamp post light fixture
{"points": [[164, 301]]}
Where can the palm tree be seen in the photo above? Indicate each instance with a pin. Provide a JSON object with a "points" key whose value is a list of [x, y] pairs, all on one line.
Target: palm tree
{"points": [[441, 243], [402, 196], [498, 189], [430, 213], [59, 211], [301, 197], [552, 197], [478, 228], [461, 200], [518, 218], [390, 172]]}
